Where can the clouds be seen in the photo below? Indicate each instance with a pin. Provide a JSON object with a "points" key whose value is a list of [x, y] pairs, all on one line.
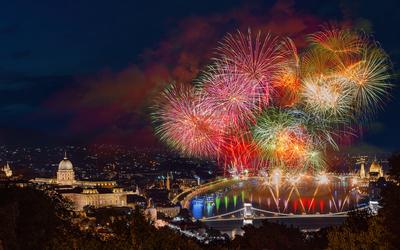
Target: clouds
{"points": [[92, 71], [99, 102]]}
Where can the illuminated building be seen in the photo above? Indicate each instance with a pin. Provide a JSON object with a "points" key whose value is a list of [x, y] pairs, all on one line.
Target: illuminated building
{"points": [[7, 170], [65, 173], [66, 177], [375, 170], [170, 211], [85, 193], [362, 171], [96, 197]]}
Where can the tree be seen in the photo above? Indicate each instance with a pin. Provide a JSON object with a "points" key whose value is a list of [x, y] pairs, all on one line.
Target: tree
{"points": [[364, 231], [146, 236], [270, 236], [359, 232], [35, 217], [391, 202]]}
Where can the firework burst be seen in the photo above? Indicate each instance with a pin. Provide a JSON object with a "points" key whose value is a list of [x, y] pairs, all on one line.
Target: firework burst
{"points": [[286, 79], [326, 96], [368, 77], [229, 94], [239, 152], [184, 123], [285, 141], [263, 103], [337, 40], [255, 58]]}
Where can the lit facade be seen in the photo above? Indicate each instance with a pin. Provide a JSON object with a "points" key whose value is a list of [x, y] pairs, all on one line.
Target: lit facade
{"points": [[115, 197], [7, 171], [85, 193], [375, 170], [66, 177]]}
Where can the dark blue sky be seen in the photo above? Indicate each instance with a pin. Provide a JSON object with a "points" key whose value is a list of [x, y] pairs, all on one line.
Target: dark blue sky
{"points": [[84, 71]]}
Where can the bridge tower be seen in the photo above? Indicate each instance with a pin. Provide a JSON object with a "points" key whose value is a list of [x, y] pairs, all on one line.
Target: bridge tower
{"points": [[248, 215]]}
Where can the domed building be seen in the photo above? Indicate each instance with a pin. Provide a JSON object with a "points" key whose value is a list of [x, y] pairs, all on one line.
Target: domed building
{"points": [[65, 173], [375, 170], [83, 193]]}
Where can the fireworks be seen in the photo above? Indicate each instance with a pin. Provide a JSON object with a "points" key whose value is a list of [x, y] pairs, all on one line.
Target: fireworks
{"points": [[264, 104], [232, 96], [368, 78], [186, 125], [255, 58], [337, 41], [240, 153], [326, 96], [286, 79], [283, 137]]}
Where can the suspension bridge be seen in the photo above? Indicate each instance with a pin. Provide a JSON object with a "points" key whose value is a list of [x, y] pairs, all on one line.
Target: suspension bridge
{"points": [[249, 213]]}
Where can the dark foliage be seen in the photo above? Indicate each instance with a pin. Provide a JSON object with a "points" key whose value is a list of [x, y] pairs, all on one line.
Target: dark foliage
{"points": [[270, 236], [34, 219], [29, 219]]}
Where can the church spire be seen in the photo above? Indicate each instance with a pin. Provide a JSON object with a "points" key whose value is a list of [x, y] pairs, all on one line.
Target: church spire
{"points": [[65, 155]]}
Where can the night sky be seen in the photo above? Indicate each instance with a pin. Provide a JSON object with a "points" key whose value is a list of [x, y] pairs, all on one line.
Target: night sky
{"points": [[87, 71]]}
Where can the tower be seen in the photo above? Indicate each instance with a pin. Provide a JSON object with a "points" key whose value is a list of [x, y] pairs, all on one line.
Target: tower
{"points": [[168, 183], [362, 171], [362, 160]]}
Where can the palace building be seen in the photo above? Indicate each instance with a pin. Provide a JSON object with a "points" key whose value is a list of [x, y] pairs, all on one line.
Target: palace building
{"points": [[85, 193], [6, 171], [66, 177]]}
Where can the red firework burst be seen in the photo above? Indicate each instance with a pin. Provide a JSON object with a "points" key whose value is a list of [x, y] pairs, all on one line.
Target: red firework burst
{"points": [[186, 124], [240, 152], [235, 99], [255, 58]]}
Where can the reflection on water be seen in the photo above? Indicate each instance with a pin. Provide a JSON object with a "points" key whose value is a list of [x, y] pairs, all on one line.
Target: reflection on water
{"points": [[306, 197]]}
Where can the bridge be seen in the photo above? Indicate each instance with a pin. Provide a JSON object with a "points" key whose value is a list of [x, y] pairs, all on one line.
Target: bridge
{"points": [[185, 197], [249, 213]]}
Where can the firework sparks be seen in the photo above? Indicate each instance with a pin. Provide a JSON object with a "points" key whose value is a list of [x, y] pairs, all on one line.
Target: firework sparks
{"points": [[368, 77], [284, 140], [337, 40], [263, 103], [184, 123], [286, 80], [255, 58], [230, 95], [326, 96]]}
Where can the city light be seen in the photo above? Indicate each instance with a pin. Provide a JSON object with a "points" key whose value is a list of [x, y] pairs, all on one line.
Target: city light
{"points": [[322, 179]]}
